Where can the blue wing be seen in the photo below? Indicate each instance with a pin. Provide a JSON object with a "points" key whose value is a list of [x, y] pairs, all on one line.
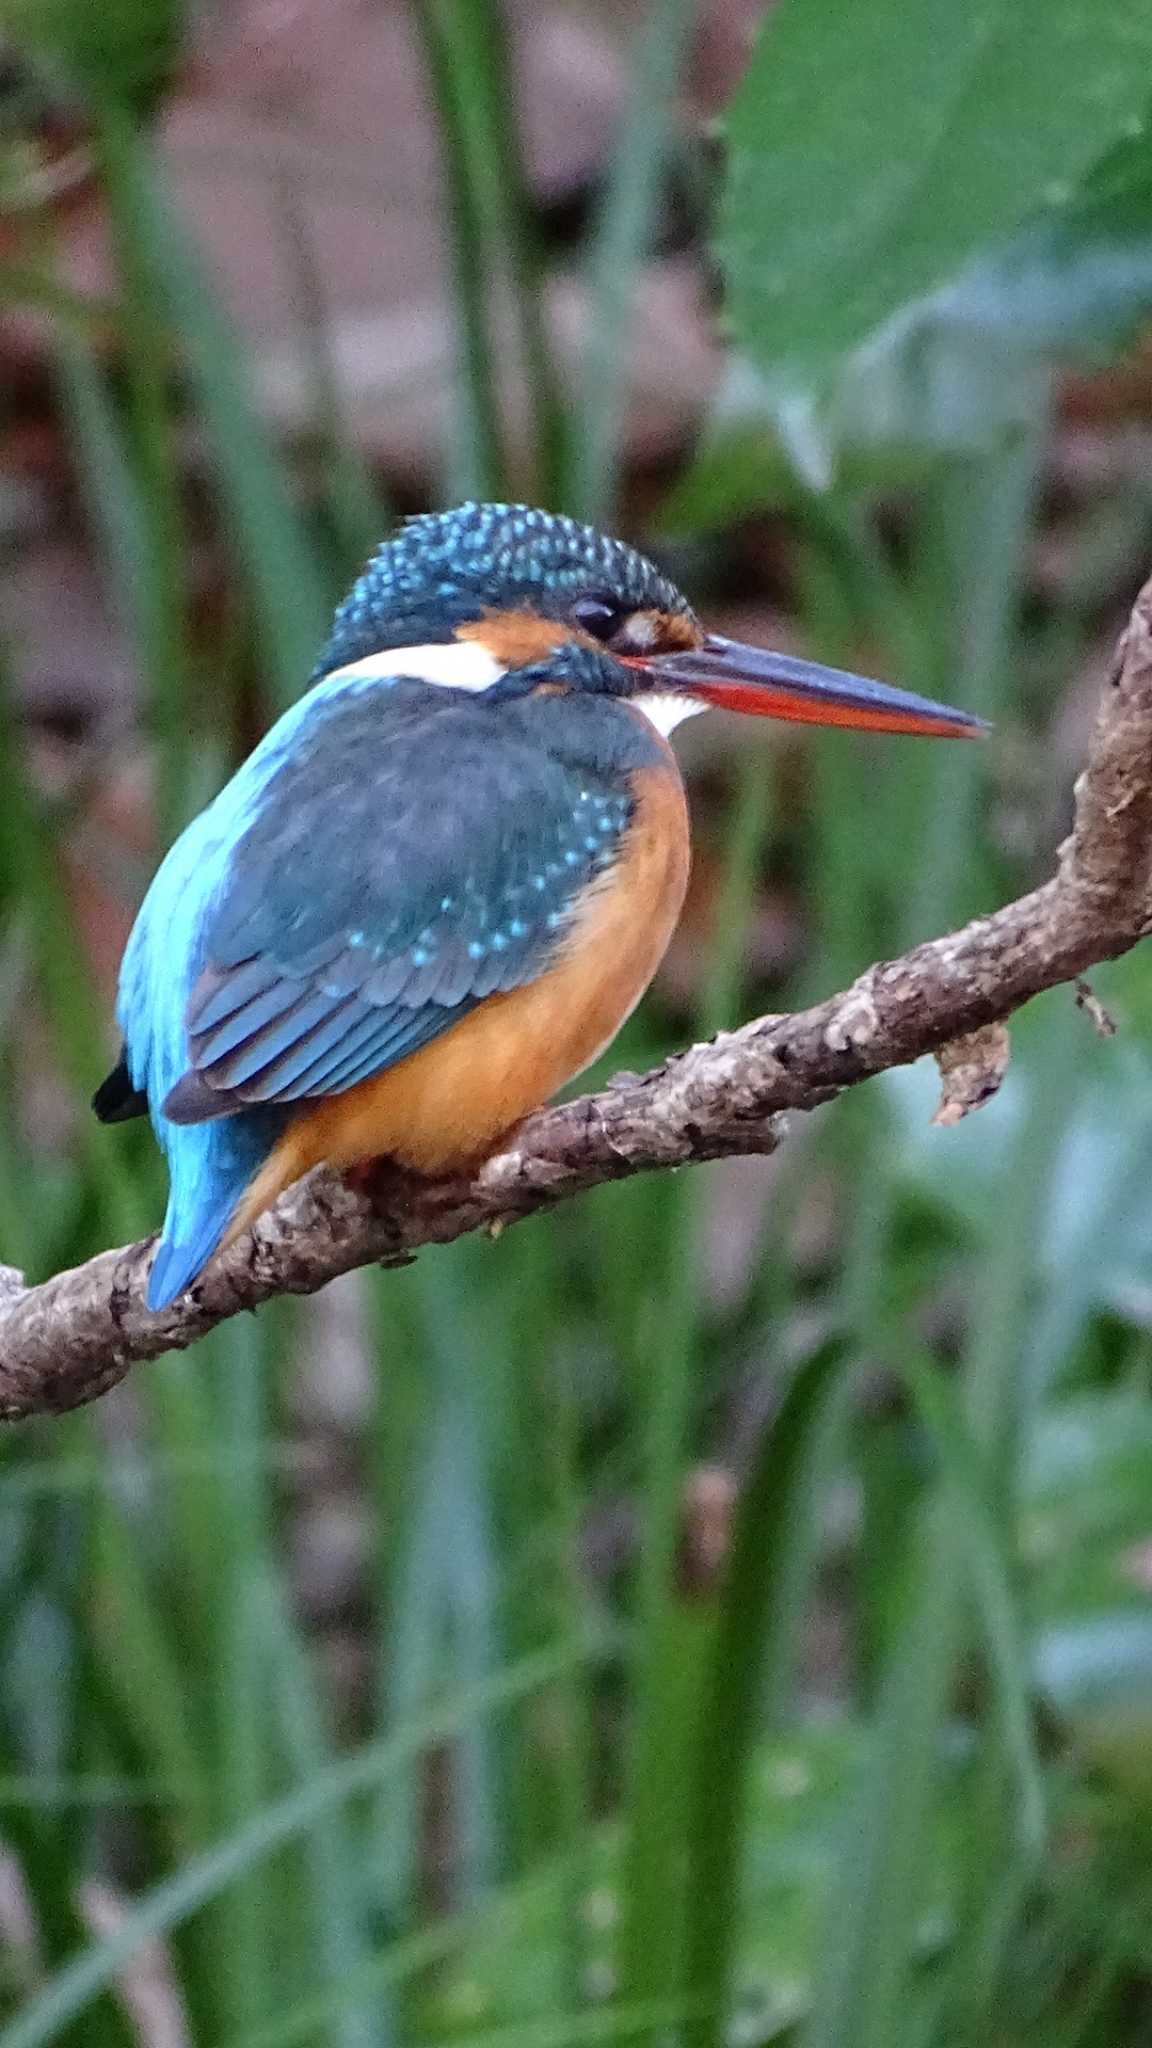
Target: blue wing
{"points": [[379, 863], [407, 859]]}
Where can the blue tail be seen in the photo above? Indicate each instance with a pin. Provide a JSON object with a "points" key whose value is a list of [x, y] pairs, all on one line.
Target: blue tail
{"points": [[210, 1166], [178, 1260]]}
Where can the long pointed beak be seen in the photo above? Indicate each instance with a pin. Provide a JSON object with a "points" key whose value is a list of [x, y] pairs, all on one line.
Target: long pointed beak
{"points": [[740, 678]]}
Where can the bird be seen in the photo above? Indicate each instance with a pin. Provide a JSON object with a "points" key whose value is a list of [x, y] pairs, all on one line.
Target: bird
{"points": [[443, 879]]}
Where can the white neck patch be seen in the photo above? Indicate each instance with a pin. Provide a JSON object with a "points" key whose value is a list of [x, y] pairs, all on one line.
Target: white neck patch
{"points": [[668, 711], [452, 664], [468, 665]]}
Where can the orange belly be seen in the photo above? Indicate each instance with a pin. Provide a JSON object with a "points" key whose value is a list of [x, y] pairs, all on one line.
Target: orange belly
{"points": [[453, 1100]]}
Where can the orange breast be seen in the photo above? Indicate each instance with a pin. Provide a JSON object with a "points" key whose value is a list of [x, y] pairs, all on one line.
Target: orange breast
{"points": [[451, 1101]]}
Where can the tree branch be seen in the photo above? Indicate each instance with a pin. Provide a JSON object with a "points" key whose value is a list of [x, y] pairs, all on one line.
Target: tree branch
{"points": [[71, 1339]]}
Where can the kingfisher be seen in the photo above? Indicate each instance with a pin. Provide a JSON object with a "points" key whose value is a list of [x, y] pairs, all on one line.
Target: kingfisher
{"points": [[444, 878]]}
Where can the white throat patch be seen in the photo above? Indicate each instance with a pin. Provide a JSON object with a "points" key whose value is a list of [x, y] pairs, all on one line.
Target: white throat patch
{"points": [[668, 711], [453, 664], [468, 665]]}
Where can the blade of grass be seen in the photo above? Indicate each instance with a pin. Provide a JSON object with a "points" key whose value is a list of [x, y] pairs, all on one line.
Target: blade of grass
{"points": [[995, 1394], [30, 869], [544, 401], [673, 1619], [143, 1681], [391, 1969], [454, 42], [575, 1737], [751, 1660], [469, 61], [235, 1662], [46, 1723], [335, 1892], [415, 1654], [871, 1921], [114, 501], [207, 1876], [452, 1596], [48, 1874], [619, 247], [975, 531], [158, 573], [981, 1543], [289, 589], [860, 1996], [536, 1418], [359, 515], [841, 853], [861, 1992], [408, 1621], [997, 1404], [748, 829]]}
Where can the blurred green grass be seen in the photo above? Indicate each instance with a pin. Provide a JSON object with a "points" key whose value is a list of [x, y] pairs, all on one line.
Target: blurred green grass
{"points": [[869, 1770]]}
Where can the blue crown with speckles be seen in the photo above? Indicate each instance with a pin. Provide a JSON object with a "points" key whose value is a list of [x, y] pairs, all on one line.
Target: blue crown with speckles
{"points": [[445, 568]]}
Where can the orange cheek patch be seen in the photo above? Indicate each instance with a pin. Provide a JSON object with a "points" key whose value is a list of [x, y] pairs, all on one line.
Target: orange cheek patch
{"points": [[516, 639]]}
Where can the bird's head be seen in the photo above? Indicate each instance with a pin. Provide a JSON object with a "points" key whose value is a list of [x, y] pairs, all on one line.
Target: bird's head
{"points": [[522, 600]]}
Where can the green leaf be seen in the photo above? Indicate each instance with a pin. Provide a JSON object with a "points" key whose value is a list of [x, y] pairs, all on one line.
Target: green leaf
{"points": [[953, 372], [929, 133]]}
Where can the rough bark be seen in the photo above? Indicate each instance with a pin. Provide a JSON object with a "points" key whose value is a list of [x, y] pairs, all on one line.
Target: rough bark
{"points": [[69, 1340]]}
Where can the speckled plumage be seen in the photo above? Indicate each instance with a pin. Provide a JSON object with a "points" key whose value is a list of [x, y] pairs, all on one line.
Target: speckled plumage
{"points": [[361, 917], [387, 858], [445, 567]]}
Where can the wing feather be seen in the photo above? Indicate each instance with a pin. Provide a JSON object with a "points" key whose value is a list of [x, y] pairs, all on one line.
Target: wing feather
{"points": [[407, 861], [215, 1041], [220, 999]]}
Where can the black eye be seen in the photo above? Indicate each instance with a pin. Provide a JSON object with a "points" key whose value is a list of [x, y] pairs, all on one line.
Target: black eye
{"points": [[600, 616]]}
